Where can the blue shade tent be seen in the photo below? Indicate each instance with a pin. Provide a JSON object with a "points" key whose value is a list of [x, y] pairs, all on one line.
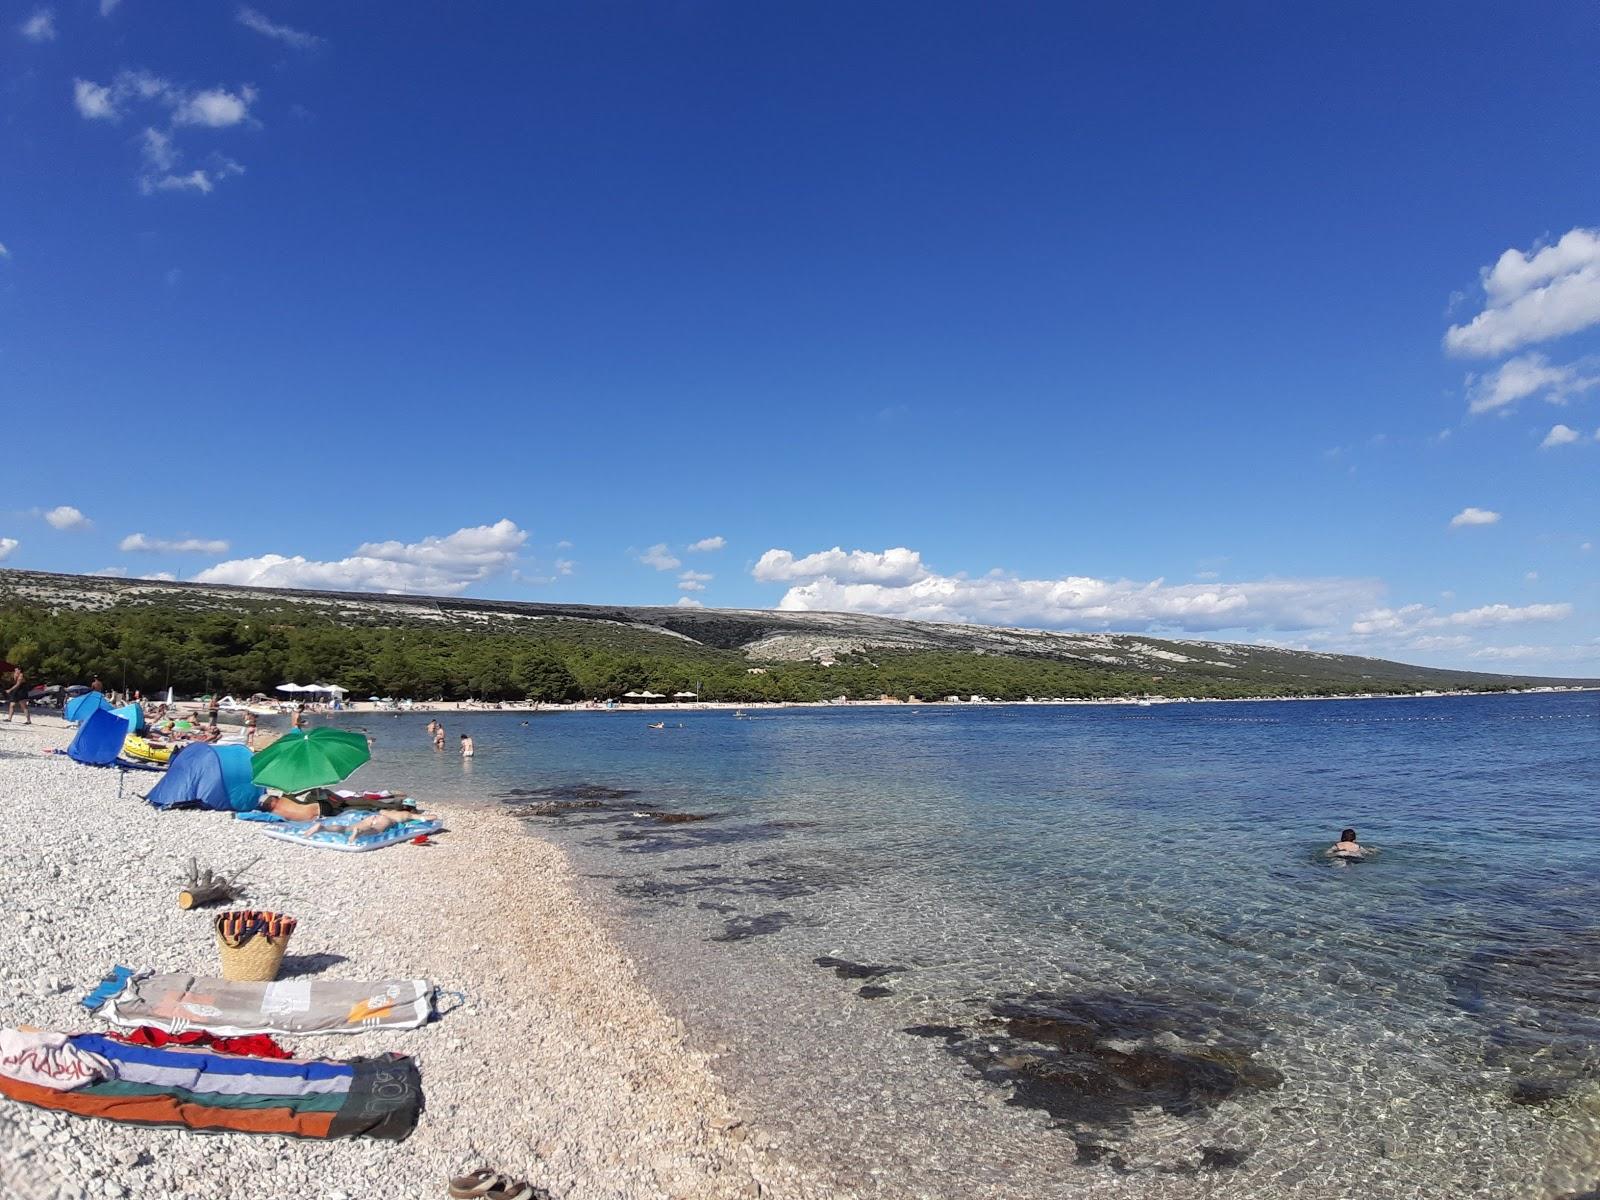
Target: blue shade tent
{"points": [[133, 714], [79, 708], [216, 777], [100, 740]]}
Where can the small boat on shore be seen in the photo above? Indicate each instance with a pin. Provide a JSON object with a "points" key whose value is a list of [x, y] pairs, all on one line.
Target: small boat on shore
{"points": [[144, 750]]}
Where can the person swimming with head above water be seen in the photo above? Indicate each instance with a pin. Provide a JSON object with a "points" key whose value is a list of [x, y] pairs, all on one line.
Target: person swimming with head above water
{"points": [[1347, 849]]}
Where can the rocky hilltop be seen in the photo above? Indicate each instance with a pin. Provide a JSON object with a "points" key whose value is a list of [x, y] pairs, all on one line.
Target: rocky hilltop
{"points": [[769, 636]]}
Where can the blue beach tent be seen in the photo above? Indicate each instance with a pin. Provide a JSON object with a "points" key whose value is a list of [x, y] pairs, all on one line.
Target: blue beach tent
{"points": [[133, 714], [100, 740], [216, 777], [79, 708]]}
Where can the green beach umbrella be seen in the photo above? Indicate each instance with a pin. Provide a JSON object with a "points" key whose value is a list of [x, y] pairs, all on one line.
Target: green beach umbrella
{"points": [[298, 761]]}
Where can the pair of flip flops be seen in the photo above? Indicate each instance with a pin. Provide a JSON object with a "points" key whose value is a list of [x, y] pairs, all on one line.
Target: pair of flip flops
{"points": [[491, 1185]]}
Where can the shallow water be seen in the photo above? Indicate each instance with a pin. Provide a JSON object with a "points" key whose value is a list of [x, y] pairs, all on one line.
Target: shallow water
{"points": [[1128, 968]]}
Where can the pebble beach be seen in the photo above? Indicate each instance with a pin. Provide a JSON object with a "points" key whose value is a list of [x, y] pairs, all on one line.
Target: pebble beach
{"points": [[556, 1065]]}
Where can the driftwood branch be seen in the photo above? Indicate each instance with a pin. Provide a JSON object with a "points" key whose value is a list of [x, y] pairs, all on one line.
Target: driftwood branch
{"points": [[206, 887]]}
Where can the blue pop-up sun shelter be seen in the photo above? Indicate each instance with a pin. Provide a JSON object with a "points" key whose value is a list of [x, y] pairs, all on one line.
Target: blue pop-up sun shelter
{"points": [[100, 740], [209, 777], [133, 714], [79, 708]]}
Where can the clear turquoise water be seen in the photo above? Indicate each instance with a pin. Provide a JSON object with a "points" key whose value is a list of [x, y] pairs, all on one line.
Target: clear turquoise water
{"points": [[1422, 1024]]}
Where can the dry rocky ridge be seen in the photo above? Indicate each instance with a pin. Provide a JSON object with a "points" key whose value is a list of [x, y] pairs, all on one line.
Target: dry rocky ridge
{"points": [[768, 635]]}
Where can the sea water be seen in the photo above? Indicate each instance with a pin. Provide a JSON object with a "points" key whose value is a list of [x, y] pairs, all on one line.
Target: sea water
{"points": [[1097, 950]]}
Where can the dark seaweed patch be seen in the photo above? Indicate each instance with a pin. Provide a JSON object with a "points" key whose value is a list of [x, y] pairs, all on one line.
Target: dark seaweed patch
{"points": [[740, 929], [950, 1033], [872, 992], [1091, 1060], [845, 969], [1537, 1000], [570, 793]]}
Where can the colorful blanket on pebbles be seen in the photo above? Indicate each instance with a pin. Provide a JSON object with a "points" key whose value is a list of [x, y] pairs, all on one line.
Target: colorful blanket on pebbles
{"points": [[175, 1003], [195, 1088]]}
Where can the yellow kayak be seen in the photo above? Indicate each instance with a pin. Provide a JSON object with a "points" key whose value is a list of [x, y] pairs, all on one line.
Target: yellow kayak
{"points": [[145, 751]]}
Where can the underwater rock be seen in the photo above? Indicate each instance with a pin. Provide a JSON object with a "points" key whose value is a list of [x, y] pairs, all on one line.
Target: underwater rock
{"points": [[675, 818], [872, 992]]}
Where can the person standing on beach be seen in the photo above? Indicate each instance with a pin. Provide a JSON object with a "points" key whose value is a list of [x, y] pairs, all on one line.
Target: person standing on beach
{"points": [[17, 696], [250, 729], [298, 721], [467, 750]]}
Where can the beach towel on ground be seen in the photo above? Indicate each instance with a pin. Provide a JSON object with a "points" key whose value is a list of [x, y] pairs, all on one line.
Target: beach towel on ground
{"points": [[176, 1003], [334, 832], [198, 1089]]}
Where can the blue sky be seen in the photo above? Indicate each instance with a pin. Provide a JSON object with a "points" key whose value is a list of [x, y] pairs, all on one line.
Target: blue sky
{"points": [[1278, 325]]}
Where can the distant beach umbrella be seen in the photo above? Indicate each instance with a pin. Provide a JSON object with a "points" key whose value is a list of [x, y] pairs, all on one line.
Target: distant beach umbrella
{"points": [[300, 760]]}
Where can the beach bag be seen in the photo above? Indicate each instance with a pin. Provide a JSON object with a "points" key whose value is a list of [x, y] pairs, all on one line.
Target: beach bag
{"points": [[251, 944]]}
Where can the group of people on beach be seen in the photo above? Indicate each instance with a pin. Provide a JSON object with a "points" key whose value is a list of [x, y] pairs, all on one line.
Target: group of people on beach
{"points": [[436, 731]]}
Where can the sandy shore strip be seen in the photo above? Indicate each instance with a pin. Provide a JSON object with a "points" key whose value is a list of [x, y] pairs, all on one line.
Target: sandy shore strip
{"points": [[559, 1067]]}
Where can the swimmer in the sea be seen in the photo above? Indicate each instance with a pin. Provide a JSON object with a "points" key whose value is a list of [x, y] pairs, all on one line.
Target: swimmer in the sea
{"points": [[1347, 849]]}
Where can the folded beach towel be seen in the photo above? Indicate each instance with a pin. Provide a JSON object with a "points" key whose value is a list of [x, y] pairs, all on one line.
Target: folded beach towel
{"points": [[197, 1089], [45, 1059], [176, 1003], [333, 833]]}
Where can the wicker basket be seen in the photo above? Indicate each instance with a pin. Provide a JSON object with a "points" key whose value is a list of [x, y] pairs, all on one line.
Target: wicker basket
{"points": [[252, 944]]}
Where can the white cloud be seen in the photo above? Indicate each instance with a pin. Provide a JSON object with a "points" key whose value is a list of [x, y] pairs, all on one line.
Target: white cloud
{"points": [[107, 7], [565, 566], [706, 544], [683, 601], [156, 149], [211, 108], [160, 159], [143, 543], [7, 545], [1524, 376], [95, 102], [443, 565], [1559, 435], [660, 557], [264, 25], [4, 253], [1473, 516], [214, 108], [1532, 297], [1388, 621], [896, 567], [64, 516], [41, 27], [694, 581], [914, 592], [1536, 653]]}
